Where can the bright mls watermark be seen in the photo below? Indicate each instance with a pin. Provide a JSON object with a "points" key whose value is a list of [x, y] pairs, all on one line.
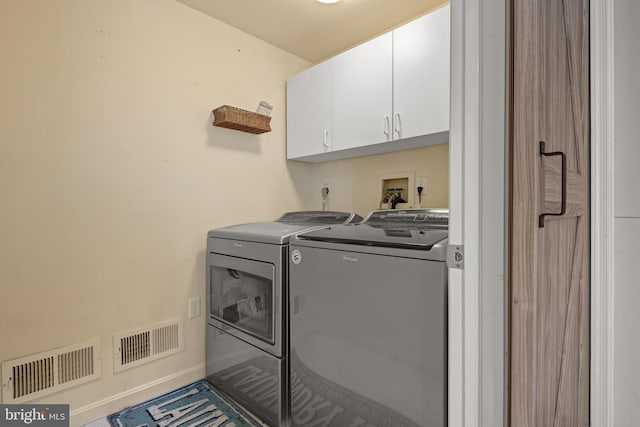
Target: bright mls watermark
{"points": [[34, 415]]}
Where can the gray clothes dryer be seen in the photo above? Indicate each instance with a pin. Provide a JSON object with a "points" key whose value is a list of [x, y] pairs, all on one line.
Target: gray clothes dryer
{"points": [[247, 300], [368, 322]]}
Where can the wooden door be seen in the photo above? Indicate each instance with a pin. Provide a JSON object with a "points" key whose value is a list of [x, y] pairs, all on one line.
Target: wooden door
{"points": [[549, 254]]}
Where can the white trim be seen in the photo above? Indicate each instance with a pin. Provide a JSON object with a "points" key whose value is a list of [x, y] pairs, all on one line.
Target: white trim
{"points": [[602, 211], [472, 212], [456, 208], [464, 203], [135, 395], [456, 133]]}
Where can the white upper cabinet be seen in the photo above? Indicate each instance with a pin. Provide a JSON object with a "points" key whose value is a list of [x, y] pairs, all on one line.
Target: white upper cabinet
{"points": [[309, 112], [421, 52], [388, 94], [362, 94]]}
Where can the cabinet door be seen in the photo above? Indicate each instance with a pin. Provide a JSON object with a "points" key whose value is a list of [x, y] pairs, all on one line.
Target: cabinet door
{"points": [[421, 75], [309, 112], [361, 92]]}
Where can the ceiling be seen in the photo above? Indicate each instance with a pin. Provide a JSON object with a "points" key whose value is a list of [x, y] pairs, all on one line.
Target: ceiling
{"points": [[312, 30]]}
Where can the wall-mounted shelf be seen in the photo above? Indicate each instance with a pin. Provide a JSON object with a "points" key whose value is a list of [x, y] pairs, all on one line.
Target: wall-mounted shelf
{"points": [[230, 117]]}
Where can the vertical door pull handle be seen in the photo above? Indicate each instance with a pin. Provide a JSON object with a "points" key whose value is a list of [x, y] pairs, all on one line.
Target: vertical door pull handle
{"points": [[563, 205], [325, 140], [387, 126], [398, 125]]}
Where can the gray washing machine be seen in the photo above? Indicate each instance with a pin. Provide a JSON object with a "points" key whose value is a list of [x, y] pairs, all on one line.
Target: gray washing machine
{"points": [[368, 322], [247, 300]]}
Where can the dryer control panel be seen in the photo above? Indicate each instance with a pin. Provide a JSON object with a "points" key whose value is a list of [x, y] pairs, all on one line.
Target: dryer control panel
{"points": [[431, 217]]}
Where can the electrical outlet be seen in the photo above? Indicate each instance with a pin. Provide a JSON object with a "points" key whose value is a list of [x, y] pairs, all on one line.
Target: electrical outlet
{"points": [[420, 183], [194, 307]]}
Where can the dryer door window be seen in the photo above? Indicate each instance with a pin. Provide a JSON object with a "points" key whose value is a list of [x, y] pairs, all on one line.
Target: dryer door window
{"points": [[242, 295]]}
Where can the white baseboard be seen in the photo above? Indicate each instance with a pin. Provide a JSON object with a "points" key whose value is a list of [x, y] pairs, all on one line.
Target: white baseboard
{"points": [[111, 404]]}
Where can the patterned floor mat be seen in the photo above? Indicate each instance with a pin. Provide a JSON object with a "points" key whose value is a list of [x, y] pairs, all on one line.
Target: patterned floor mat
{"points": [[196, 405]]}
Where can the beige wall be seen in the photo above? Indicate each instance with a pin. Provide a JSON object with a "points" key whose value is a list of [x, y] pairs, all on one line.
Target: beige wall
{"points": [[355, 183], [111, 173]]}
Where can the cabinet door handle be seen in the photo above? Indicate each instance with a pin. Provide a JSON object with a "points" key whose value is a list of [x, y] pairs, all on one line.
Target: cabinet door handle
{"points": [[387, 126], [325, 140], [397, 125]]}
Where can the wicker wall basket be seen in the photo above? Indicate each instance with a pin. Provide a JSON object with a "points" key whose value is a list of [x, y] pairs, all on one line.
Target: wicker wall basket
{"points": [[230, 117]]}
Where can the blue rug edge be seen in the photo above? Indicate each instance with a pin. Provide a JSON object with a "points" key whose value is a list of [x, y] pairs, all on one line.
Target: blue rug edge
{"points": [[252, 419]]}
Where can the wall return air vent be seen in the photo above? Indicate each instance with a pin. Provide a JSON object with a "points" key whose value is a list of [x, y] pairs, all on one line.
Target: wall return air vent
{"points": [[41, 374], [140, 346]]}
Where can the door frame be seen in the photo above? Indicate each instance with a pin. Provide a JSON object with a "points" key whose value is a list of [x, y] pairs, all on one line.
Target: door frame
{"points": [[602, 211], [466, 194]]}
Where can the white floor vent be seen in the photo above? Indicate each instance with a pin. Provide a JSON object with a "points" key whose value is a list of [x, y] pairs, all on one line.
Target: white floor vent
{"points": [[134, 348], [41, 374]]}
